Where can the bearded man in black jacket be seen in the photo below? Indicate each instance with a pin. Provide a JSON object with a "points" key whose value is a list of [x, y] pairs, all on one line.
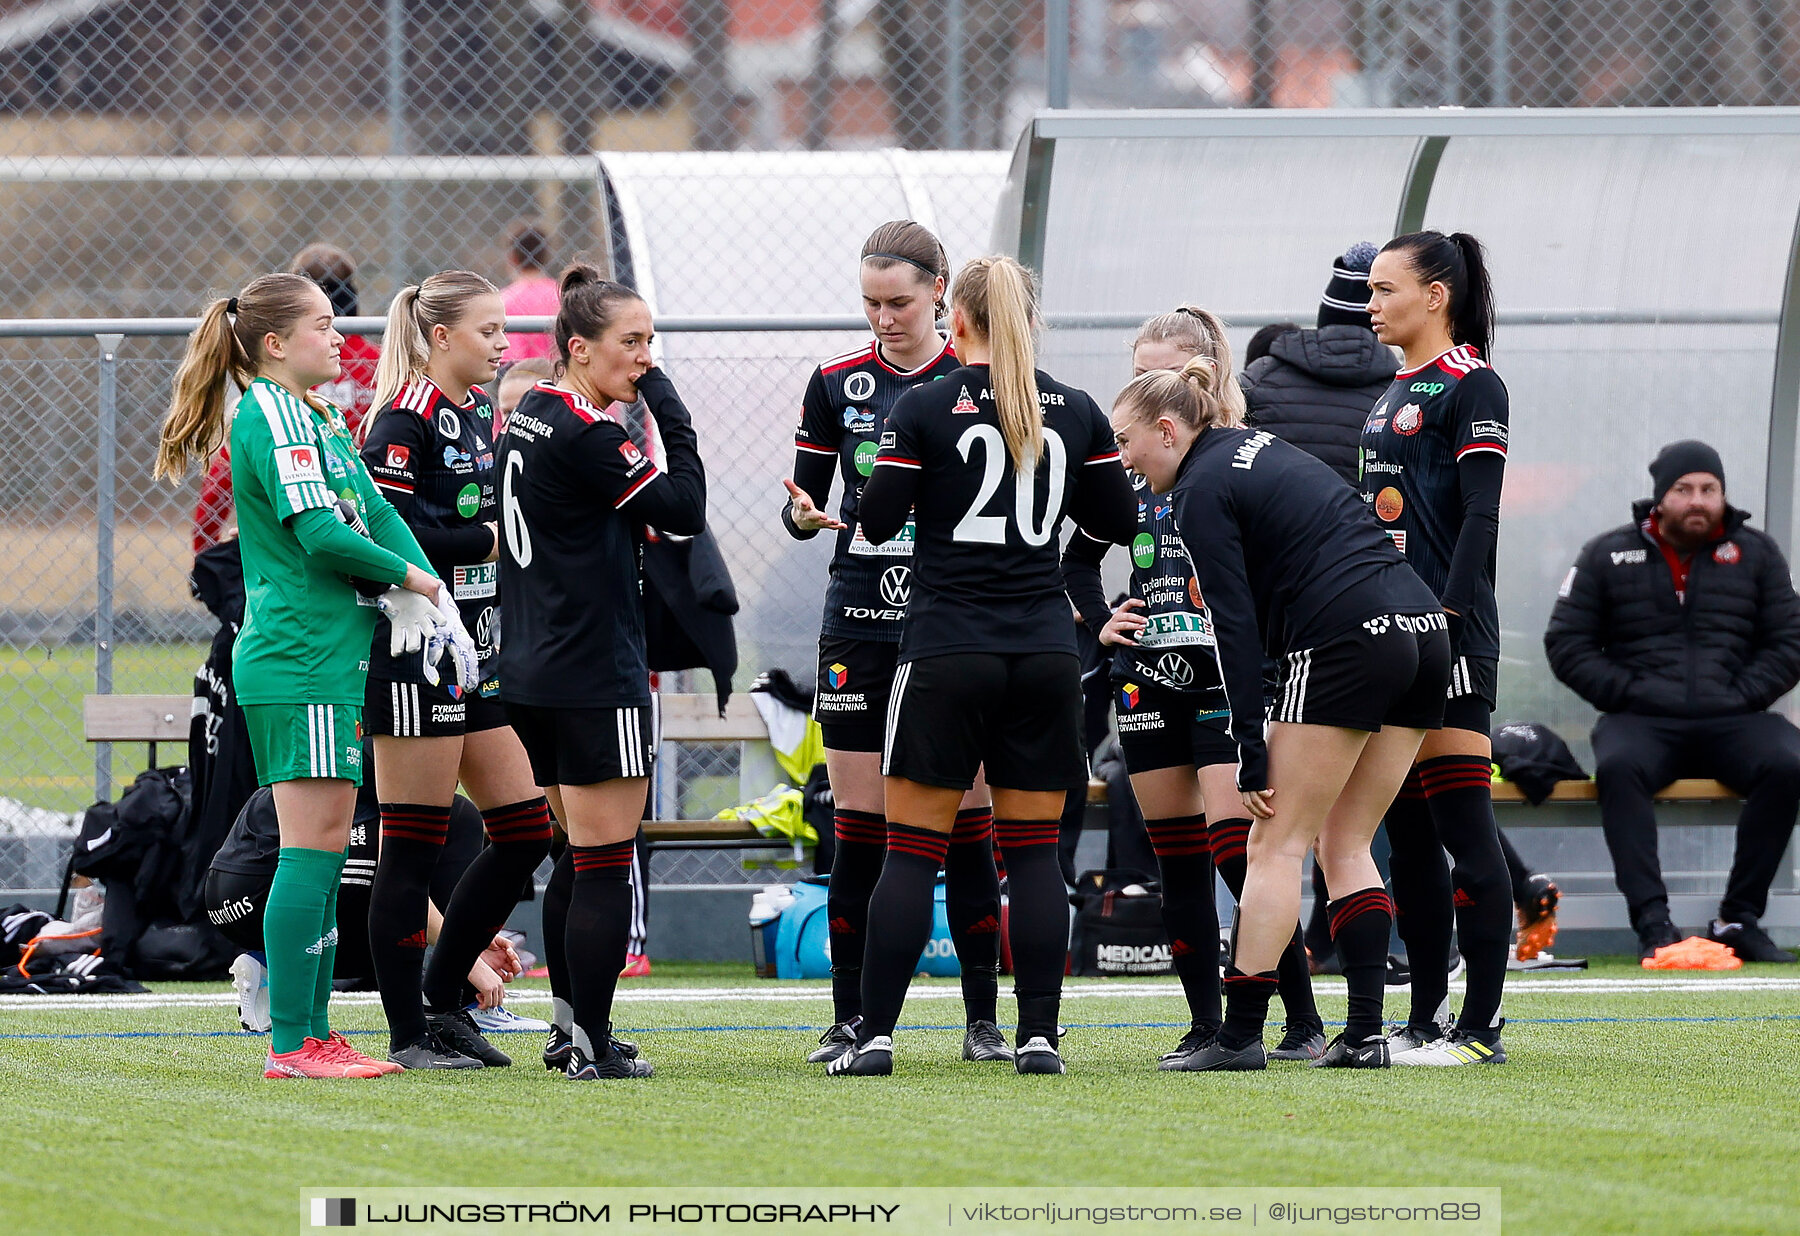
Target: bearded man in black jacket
{"points": [[1682, 628]]}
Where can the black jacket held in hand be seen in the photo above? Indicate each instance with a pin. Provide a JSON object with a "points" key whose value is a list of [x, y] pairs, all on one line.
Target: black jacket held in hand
{"points": [[1315, 388], [1621, 639]]}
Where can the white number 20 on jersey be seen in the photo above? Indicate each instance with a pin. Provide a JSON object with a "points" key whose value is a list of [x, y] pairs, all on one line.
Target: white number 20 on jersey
{"points": [[975, 528]]}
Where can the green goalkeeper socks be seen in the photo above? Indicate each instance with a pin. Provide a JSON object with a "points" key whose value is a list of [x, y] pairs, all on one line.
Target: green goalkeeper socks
{"points": [[321, 1018], [297, 936]]}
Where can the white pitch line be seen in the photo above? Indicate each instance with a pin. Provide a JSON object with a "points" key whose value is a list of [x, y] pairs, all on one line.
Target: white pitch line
{"points": [[1720, 985]]}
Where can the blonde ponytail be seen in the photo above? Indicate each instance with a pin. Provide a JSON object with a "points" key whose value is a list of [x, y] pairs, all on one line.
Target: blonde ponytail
{"points": [[404, 352], [195, 424], [228, 343], [999, 298]]}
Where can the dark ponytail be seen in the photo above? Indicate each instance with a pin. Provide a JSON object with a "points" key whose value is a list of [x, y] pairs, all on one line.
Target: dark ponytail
{"points": [[1459, 262], [589, 302]]}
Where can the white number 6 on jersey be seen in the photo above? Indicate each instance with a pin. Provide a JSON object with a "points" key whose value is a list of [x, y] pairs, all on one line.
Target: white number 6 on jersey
{"points": [[518, 536]]}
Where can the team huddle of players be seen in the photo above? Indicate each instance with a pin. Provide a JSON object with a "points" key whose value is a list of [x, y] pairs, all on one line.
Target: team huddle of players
{"points": [[948, 683]]}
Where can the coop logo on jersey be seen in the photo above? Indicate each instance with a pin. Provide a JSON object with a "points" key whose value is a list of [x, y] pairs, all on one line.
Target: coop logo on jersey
{"points": [[865, 458], [964, 404], [1143, 551], [859, 420], [449, 424], [1727, 553], [1389, 504], [1174, 667], [1427, 389], [1129, 696], [836, 676], [858, 386], [1409, 420], [399, 456], [295, 464], [896, 586]]}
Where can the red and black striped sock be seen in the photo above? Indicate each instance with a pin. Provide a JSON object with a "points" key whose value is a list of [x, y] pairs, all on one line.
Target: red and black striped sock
{"points": [[855, 866], [972, 904], [1038, 922], [1421, 880], [518, 839], [900, 914], [597, 931], [1247, 999], [1360, 924], [1459, 790], [1190, 915], [412, 838]]}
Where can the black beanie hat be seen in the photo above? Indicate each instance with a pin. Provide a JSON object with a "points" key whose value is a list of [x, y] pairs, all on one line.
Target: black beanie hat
{"points": [[1346, 299], [1678, 459]]}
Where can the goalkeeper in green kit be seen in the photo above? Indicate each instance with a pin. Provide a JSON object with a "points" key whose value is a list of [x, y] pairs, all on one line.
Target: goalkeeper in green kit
{"points": [[323, 553]]}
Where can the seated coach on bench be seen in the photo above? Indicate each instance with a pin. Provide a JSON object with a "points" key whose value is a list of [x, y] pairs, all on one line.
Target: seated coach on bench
{"points": [[1682, 628]]}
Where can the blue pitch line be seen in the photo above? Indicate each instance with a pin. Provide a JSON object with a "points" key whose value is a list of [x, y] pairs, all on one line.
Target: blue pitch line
{"points": [[1095, 1025]]}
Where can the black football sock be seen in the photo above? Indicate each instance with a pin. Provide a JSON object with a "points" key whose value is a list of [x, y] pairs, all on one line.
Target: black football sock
{"points": [[972, 904], [598, 928], [1247, 999], [556, 924], [1318, 923], [861, 845], [1459, 789], [519, 837], [1360, 925], [1517, 873], [1190, 916], [412, 836], [1421, 879], [1038, 922], [1229, 837], [900, 914]]}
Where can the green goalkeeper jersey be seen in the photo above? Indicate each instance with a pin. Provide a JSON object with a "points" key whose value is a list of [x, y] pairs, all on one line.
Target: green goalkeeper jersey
{"points": [[306, 632]]}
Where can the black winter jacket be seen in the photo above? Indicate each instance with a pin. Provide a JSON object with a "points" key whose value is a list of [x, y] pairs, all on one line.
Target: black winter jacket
{"points": [[1315, 388], [1621, 640]]}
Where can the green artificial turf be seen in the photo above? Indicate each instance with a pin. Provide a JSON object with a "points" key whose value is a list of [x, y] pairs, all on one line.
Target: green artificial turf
{"points": [[1622, 1111]]}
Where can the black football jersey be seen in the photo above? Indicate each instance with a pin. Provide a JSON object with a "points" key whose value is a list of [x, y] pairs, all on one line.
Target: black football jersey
{"points": [[844, 414], [1431, 418], [1176, 648], [570, 555], [986, 573], [434, 460]]}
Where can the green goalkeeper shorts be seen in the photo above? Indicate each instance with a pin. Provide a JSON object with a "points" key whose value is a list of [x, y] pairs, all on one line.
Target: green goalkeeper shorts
{"points": [[294, 741]]}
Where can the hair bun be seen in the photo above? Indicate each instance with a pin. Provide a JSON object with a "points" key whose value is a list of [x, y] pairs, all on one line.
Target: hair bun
{"points": [[578, 274], [1202, 371]]}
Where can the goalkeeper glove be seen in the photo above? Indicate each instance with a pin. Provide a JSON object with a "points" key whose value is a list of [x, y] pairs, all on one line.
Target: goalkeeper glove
{"points": [[452, 637], [412, 619]]}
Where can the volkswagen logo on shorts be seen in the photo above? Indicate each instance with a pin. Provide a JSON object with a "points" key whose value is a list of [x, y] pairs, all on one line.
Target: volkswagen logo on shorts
{"points": [[1175, 667], [896, 586], [859, 386], [484, 626]]}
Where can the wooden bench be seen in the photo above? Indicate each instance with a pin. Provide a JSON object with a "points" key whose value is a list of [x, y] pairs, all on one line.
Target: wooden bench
{"points": [[153, 719], [1687, 790]]}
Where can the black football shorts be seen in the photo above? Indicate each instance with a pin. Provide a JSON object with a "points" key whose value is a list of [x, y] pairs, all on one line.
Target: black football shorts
{"points": [[1019, 714]]}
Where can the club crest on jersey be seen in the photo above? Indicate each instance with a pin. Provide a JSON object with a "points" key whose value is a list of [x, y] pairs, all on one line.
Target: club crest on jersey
{"points": [[836, 676], [1409, 420], [964, 404], [1727, 553], [859, 385], [399, 456], [1128, 695], [449, 424], [859, 420]]}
